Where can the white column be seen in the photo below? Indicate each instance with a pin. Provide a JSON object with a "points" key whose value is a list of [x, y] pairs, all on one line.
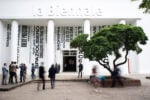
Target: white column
{"points": [[14, 40], [87, 28], [50, 44], [134, 59], [86, 61], [1, 31]]}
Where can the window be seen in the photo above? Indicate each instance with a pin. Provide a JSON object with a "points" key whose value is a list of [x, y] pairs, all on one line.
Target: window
{"points": [[95, 29], [66, 34], [41, 41], [24, 36], [8, 37]]}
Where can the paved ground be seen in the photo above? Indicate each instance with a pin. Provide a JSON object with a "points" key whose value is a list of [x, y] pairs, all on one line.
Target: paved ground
{"points": [[67, 90]]}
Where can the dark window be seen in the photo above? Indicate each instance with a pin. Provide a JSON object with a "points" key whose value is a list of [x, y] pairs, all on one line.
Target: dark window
{"points": [[24, 36], [8, 37]]}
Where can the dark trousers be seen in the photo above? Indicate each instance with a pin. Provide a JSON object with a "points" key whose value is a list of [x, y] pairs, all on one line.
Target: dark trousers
{"points": [[22, 77], [4, 79], [52, 82], [32, 75], [39, 83], [80, 74], [116, 79], [12, 75]]}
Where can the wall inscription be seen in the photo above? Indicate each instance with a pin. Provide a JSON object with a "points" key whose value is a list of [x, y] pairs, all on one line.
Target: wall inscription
{"points": [[57, 10], [37, 32]]}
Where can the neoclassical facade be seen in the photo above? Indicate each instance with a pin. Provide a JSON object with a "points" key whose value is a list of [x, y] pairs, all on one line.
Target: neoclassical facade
{"points": [[41, 31]]}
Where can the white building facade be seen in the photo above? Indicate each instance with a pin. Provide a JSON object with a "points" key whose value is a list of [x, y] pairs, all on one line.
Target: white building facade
{"points": [[34, 31]]}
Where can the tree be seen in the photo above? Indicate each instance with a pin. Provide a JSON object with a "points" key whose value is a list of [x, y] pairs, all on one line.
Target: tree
{"points": [[145, 4], [79, 42], [116, 41]]}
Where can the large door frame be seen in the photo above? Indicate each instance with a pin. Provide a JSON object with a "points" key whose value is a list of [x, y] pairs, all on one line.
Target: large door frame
{"points": [[69, 53]]}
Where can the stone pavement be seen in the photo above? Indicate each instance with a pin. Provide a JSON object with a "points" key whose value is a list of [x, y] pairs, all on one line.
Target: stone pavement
{"points": [[75, 90], [60, 77]]}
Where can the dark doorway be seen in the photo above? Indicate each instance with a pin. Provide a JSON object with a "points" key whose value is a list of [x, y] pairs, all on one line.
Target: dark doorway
{"points": [[69, 63]]}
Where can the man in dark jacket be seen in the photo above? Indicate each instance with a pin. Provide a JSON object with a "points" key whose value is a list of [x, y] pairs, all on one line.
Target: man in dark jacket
{"points": [[42, 76], [52, 72]]}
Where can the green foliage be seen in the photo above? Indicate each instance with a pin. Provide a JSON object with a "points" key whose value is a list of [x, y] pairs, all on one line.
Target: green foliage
{"points": [[111, 41], [122, 36], [79, 41], [145, 5]]}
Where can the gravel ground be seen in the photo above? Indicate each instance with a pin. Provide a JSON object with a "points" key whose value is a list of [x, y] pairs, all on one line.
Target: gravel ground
{"points": [[78, 91]]}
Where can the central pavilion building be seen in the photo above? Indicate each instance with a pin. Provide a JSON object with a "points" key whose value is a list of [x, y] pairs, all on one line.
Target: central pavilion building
{"points": [[34, 31]]}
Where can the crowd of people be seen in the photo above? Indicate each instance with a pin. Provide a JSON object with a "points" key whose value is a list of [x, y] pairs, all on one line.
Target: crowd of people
{"points": [[11, 71]]}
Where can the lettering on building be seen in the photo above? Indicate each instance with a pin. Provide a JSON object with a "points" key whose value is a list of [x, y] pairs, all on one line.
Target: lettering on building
{"points": [[56, 10], [37, 32]]}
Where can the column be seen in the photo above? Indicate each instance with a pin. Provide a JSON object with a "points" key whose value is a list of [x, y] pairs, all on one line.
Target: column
{"points": [[134, 59], [86, 61], [1, 31], [87, 28], [50, 43], [125, 67], [14, 40]]}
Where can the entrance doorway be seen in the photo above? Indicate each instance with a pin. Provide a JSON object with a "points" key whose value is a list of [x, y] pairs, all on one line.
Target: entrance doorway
{"points": [[69, 61]]}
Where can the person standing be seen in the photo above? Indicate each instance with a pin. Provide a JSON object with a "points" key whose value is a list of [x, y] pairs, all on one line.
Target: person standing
{"points": [[80, 70], [33, 71], [41, 76], [52, 72], [12, 69], [23, 69], [116, 76], [4, 74], [11, 73]]}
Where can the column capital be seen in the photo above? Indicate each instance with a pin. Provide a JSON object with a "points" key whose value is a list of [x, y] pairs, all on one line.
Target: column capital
{"points": [[122, 21], [50, 21], [14, 21]]}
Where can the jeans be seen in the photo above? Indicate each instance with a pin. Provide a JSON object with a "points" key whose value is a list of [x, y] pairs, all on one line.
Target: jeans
{"points": [[52, 82]]}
